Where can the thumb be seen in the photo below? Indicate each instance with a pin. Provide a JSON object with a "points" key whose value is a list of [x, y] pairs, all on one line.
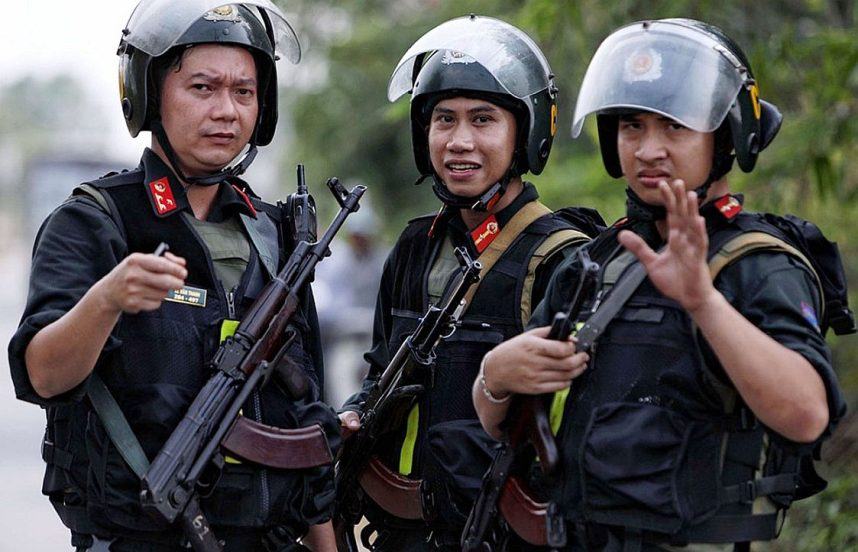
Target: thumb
{"points": [[637, 246]]}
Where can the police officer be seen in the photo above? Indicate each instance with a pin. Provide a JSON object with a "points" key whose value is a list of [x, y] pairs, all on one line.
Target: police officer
{"points": [[693, 418], [202, 78], [483, 113]]}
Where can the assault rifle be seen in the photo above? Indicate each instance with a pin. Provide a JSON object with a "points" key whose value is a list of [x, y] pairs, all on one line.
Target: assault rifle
{"points": [[358, 472], [242, 364], [529, 430]]}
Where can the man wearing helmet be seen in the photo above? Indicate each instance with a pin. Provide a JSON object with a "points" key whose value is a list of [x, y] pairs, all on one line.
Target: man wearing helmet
{"points": [[482, 114], [105, 313], [693, 418]]}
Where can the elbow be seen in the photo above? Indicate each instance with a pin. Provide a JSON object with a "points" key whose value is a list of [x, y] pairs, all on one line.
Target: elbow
{"points": [[808, 423], [43, 386]]}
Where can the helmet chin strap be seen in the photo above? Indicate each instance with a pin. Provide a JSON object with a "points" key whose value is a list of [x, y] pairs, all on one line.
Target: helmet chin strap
{"points": [[208, 180]]}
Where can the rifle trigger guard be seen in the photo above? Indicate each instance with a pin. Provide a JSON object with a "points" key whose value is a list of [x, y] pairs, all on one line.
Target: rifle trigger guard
{"points": [[451, 332]]}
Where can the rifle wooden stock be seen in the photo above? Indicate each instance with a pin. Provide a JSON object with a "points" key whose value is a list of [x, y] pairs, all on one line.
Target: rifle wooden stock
{"points": [[275, 447], [394, 493]]}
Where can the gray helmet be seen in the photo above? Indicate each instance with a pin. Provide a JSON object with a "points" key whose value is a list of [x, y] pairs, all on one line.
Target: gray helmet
{"points": [[683, 69], [482, 57], [158, 26]]}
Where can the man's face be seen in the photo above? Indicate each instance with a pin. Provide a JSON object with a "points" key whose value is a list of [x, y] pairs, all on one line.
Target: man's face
{"points": [[653, 148], [209, 106], [471, 143]]}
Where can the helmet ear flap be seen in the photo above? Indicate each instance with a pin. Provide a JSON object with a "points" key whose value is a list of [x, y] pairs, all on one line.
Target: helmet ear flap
{"points": [[607, 125], [770, 123]]}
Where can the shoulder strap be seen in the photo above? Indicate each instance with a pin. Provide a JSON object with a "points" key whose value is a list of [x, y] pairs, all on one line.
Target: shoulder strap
{"points": [[516, 225], [116, 425], [104, 201], [748, 242], [551, 245], [263, 236]]}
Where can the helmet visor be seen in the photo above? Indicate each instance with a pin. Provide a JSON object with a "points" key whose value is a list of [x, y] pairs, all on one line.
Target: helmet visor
{"points": [[503, 50], [156, 25], [664, 68]]}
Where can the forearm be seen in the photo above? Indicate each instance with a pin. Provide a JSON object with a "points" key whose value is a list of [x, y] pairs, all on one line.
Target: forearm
{"points": [[779, 385], [62, 354], [320, 538], [491, 414]]}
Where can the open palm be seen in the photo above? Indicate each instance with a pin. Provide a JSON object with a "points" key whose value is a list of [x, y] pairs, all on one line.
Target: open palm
{"points": [[679, 270]]}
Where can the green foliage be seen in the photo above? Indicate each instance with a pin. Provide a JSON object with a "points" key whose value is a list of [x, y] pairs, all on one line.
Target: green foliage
{"points": [[827, 521]]}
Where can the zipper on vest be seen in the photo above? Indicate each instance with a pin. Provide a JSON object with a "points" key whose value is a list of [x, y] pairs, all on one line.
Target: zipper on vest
{"points": [[230, 303], [264, 494]]}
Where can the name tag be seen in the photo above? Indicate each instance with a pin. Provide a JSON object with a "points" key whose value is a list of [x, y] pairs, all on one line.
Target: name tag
{"points": [[188, 296]]}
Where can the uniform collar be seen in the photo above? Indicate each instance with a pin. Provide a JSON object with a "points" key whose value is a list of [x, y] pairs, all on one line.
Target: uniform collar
{"points": [[167, 196]]}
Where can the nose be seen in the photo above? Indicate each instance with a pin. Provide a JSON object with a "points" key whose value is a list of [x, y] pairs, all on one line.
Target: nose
{"points": [[224, 107], [651, 147], [461, 139]]}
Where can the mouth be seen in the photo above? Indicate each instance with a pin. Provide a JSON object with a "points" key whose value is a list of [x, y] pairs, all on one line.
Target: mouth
{"points": [[220, 137], [461, 170], [651, 178]]}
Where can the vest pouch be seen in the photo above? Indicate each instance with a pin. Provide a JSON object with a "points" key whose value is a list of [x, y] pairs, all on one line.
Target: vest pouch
{"points": [[647, 467], [113, 490], [456, 366], [462, 452]]}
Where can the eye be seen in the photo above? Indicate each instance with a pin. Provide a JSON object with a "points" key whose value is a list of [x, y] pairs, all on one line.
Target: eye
{"points": [[443, 118], [629, 125], [483, 119], [245, 92], [677, 126], [201, 87]]}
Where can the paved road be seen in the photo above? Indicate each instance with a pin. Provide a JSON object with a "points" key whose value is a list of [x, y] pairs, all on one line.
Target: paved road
{"points": [[27, 521]]}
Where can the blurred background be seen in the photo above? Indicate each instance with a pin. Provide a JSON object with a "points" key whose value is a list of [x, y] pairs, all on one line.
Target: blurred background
{"points": [[60, 124]]}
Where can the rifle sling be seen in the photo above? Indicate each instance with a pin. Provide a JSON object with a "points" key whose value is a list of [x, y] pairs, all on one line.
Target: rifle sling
{"points": [[529, 213], [619, 295], [275, 447], [116, 425]]}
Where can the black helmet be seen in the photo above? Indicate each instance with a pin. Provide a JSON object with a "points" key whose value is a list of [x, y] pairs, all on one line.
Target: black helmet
{"points": [[484, 58], [683, 69], [158, 26]]}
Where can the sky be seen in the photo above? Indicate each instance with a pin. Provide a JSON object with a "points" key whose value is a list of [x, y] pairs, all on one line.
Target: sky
{"points": [[78, 38]]}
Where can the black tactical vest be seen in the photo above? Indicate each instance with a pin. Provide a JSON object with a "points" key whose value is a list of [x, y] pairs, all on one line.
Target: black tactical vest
{"points": [[162, 364], [649, 445], [449, 441]]}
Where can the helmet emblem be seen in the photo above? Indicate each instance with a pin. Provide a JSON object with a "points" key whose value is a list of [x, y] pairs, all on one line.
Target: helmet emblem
{"points": [[223, 13], [451, 57], [643, 65]]}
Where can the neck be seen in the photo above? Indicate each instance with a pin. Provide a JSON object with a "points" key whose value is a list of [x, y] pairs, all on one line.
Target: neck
{"points": [[200, 198], [719, 188], [472, 219]]}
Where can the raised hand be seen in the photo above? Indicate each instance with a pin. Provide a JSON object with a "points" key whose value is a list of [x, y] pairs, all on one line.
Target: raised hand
{"points": [[679, 271]]}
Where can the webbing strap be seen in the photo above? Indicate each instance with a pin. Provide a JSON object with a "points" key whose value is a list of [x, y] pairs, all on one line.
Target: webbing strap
{"points": [[748, 242], [735, 528], [549, 246], [746, 492], [116, 425], [516, 225]]}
